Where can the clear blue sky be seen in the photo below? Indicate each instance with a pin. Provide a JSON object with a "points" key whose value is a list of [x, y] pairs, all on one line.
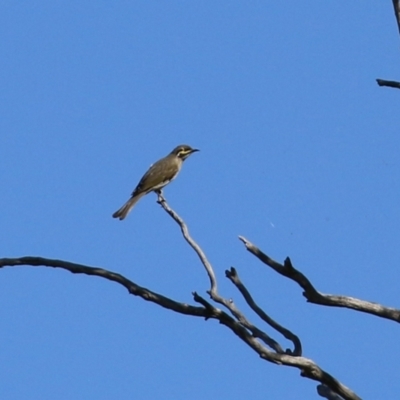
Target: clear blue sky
{"points": [[299, 153]]}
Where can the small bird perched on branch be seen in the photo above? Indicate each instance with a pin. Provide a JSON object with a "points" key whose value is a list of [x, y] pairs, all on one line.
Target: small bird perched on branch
{"points": [[159, 175]]}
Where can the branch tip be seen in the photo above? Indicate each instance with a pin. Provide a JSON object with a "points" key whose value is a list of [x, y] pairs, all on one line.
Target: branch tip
{"points": [[384, 82], [243, 240], [288, 263]]}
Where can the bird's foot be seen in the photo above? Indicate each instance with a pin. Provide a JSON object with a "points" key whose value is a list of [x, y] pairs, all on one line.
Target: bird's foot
{"points": [[160, 196]]}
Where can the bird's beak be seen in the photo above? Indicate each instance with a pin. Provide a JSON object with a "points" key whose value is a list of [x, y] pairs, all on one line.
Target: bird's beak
{"points": [[194, 150]]}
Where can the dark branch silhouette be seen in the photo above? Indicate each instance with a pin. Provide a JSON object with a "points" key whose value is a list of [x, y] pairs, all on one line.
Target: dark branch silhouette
{"points": [[392, 84], [132, 287], [234, 278], [252, 335], [324, 391], [313, 296], [384, 82], [396, 7]]}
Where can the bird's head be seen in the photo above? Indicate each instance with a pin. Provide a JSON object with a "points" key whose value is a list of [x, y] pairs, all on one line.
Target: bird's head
{"points": [[183, 151]]}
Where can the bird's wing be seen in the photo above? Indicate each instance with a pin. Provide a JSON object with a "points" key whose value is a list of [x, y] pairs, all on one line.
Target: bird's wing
{"points": [[156, 177]]}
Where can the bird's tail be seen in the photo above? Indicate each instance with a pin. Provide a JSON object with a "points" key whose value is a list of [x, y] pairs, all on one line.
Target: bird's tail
{"points": [[127, 207]]}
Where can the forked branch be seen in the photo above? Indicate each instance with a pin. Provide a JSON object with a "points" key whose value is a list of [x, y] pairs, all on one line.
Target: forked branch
{"points": [[132, 287], [313, 295], [248, 332], [213, 292], [253, 336]]}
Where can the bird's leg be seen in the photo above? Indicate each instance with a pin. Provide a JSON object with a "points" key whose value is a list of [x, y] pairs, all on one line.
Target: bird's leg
{"points": [[160, 196]]}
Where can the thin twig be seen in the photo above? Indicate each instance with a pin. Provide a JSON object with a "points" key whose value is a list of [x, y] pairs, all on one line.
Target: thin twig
{"points": [[392, 84], [234, 278], [396, 7], [213, 292], [191, 242], [384, 82]]}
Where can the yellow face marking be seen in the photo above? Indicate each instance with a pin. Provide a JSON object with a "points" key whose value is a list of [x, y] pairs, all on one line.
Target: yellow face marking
{"points": [[183, 152]]}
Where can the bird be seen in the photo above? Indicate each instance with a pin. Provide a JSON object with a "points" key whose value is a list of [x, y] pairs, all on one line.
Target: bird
{"points": [[158, 175]]}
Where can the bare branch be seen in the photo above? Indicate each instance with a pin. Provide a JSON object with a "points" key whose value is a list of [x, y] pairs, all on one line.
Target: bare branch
{"points": [[213, 292], [234, 277], [396, 7], [241, 326], [392, 84], [313, 296], [191, 242], [132, 287], [324, 391], [207, 311], [308, 367], [256, 332], [384, 82]]}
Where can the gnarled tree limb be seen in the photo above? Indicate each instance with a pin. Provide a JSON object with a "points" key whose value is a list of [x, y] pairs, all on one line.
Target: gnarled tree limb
{"points": [[238, 324], [213, 292], [316, 297], [308, 367], [233, 276], [132, 287]]}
